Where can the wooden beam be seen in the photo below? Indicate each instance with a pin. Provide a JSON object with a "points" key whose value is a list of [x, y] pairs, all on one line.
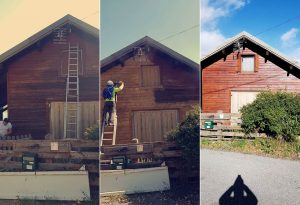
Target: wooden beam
{"points": [[224, 53], [289, 70], [39, 46], [266, 57]]}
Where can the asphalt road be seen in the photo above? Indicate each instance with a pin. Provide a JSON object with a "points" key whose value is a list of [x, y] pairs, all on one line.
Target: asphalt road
{"points": [[268, 181]]}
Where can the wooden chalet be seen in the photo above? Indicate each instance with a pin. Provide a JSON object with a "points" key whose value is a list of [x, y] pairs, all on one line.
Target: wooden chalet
{"points": [[33, 78], [234, 73], [160, 87]]}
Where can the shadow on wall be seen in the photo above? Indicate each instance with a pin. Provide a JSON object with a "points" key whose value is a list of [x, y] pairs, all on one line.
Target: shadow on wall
{"points": [[238, 194]]}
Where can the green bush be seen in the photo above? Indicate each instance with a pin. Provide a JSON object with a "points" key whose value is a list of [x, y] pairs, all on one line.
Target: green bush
{"points": [[275, 113], [186, 135], [91, 133]]}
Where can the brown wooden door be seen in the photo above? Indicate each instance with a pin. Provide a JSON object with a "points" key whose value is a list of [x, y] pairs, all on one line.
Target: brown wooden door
{"points": [[152, 126], [89, 116]]}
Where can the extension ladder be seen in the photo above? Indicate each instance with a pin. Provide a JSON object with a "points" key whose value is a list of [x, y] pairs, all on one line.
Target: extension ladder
{"points": [[108, 133], [72, 109]]}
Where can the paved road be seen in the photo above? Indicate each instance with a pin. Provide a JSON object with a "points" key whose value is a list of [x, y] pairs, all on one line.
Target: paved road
{"points": [[272, 181]]}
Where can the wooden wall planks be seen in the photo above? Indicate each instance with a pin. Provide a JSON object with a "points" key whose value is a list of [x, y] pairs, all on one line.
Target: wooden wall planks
{"points": [[35, 80], [175, 80], [220, 78]]}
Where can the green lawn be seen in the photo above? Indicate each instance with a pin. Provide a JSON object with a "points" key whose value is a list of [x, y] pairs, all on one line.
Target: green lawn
{"points": [[261, 146]]}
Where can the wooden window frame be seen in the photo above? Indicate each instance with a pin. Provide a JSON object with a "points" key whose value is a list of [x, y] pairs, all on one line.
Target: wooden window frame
{"points": [[256, 63]]}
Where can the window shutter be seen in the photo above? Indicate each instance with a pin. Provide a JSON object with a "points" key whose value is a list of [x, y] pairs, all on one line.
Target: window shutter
{"points": [[239, 63], [150, 76], [256, 65]]}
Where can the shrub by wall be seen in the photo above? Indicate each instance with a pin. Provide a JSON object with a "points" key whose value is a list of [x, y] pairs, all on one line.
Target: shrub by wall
{"points": [[275, 113], [91, 133], [187, 136]]}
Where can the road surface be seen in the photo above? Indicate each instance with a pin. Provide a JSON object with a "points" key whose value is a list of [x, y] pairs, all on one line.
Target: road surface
{"points": [[270, 181]]}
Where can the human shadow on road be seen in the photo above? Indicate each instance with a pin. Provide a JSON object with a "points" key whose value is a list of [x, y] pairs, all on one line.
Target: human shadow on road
{"points": [[238, 194]]}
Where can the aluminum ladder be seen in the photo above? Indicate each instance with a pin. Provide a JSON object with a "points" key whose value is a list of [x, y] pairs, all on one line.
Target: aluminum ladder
{"points": [[72, 109], [108, 133]]}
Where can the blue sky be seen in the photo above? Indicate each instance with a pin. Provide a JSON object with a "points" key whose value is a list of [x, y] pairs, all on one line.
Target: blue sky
{"points": [[277, 21], [124, 22]]}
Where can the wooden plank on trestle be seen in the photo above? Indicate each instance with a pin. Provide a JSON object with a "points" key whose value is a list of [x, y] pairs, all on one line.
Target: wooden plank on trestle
{"points": [[85, 155], [41, 146], [126, 149], [84, 144]]}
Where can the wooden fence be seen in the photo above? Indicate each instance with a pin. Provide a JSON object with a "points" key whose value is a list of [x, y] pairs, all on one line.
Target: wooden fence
{"points": [[59, 155], [153, 154], [16, 137], [226, 127]]}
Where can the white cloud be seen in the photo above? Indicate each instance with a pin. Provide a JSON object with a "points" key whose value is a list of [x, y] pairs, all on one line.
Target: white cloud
{"points": [[211, 12], [288, 39], [294, 54], [211, 40]]}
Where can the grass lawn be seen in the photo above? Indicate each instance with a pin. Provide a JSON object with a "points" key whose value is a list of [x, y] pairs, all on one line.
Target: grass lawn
{"points": [[261, 146]]}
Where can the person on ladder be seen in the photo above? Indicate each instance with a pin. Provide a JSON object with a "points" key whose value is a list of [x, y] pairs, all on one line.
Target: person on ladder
{"points": [[109, 95]]}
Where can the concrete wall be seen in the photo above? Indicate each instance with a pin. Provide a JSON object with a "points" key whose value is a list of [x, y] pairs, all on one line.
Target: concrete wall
{"points": [[56, 185], [130, 181]]}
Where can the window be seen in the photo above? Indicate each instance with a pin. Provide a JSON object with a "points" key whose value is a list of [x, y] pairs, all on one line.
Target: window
{"points": [[150, 76], [4, 111], [248, 63]]}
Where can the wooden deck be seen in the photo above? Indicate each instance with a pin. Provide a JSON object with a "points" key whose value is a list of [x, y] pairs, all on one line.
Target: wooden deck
{"points": [[151, 154], [70, 155]]}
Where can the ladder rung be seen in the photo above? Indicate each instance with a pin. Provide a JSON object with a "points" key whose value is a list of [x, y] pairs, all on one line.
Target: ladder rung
{"points": [[73, 83], [107, 139], [108, 132], [73, 89], [73, 58], [72, 109], [73, 64]]}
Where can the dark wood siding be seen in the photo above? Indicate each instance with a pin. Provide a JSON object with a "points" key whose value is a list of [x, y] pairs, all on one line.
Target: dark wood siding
{"points": [[220, 78], [35, 80], [179, 90]]}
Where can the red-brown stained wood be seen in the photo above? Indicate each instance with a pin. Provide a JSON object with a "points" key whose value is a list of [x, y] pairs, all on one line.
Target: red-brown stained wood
{"points": [[179, 90], [220, 78], [34, 80]]}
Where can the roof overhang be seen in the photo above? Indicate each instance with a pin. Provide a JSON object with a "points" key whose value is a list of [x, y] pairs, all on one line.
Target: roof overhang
{"points": [[129, 50], [257, 46], [68, 19]]}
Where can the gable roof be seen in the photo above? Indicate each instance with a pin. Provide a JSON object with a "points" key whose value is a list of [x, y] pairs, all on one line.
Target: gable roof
{"points": [[68, 19], [107, 62], [256, 46]]}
